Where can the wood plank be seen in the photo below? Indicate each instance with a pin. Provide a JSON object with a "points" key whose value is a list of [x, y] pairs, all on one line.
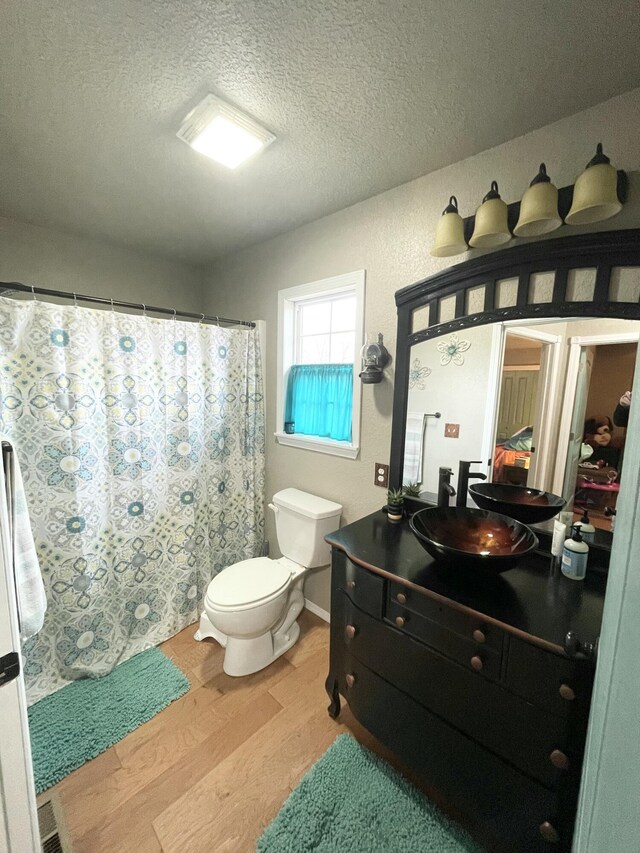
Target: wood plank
{"points": [[246, 790], [112, 802], [314, 635], [130, 827]]}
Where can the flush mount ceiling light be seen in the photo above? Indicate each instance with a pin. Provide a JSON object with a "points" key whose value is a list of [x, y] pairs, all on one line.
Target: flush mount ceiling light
{"points": [[222, 132]]}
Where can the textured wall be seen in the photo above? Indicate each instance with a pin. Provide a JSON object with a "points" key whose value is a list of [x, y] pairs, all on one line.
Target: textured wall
{"points": [[47, 258], [389, 236]]}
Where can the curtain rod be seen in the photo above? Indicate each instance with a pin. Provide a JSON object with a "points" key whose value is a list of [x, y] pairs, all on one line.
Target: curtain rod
{"points": [[117, 303]]}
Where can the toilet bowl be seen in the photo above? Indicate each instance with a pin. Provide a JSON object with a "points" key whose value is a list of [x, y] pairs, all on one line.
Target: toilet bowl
{"points": [[251, 607]]}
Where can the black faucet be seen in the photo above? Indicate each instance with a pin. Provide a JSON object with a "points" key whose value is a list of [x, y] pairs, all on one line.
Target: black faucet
{"points": [[445, 489], [464, 475]]}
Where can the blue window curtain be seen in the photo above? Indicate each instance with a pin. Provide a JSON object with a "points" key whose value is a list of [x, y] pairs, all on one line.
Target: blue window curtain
{"points": [[319, 400]]}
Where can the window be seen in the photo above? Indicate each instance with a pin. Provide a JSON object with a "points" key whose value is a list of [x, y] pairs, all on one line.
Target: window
{"points": [[320, 333]]}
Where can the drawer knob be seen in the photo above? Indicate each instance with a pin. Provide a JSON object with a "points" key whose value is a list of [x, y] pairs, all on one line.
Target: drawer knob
{"points": [[401, 598], [559, 760], [476, 663], [400, 620], [351, 585], [567, 693], [549, 832], [350, 679], [479, 636], [350, 631]]}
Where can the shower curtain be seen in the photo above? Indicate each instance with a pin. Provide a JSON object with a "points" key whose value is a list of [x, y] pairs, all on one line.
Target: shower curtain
{"points": [[141, 444]]}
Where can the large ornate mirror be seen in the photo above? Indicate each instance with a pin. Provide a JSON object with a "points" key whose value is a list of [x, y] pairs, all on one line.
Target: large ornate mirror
{"points": [[517, 361]]}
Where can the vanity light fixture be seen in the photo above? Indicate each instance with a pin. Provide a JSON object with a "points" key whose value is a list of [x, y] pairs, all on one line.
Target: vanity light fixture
{"points": [[539, 207], [491, 226], [223, 133], [449, 232], [595, 194]]}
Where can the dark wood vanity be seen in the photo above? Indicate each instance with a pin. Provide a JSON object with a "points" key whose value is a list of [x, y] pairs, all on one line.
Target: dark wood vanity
{"points": [[469, 678], [466, 678]]}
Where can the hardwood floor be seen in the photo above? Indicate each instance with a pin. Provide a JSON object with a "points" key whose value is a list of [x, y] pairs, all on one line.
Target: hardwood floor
{"points": [[212, 770]]}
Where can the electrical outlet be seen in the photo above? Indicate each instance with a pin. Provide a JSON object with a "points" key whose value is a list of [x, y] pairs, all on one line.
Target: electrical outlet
{"points": [[381, 475], [452, 430]]}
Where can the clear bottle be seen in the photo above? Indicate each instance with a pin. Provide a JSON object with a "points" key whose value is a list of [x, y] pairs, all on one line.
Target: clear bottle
{"points": [[574, 556], [587, 530]]}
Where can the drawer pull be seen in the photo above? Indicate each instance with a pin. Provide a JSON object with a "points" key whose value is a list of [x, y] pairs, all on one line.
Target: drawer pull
{"points": [[479, 636], [351, 585], [400, 621], [549, 832], [350, 631], [350, 679], [476, 663], [567, 693], [401, 598], [559, 760]]}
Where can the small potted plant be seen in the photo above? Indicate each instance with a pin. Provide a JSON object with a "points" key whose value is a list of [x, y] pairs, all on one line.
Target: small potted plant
{"points": [[411, 490], [395, 504]]}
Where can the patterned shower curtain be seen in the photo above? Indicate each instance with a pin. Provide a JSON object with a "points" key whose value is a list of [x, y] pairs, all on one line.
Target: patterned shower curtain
{"points": [[141, 444]]}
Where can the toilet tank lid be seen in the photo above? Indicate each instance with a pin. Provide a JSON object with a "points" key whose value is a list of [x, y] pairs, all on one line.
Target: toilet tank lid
{"points": [[305, 504]]}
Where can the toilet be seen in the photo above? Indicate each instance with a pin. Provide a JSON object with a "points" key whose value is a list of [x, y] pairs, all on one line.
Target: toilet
{"points": [[251, 607]]}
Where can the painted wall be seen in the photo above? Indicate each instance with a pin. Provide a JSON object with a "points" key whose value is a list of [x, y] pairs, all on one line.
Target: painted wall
{"points": [[459, 393], [46, 258], [611, 376], [389, 236]]}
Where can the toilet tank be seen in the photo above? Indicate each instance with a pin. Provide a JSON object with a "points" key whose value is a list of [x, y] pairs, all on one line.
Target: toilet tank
{"points": [[302, 522]]}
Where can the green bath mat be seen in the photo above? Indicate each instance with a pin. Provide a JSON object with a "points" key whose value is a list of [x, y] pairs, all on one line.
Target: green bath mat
{"points": [[353, 800], [88, 716]]}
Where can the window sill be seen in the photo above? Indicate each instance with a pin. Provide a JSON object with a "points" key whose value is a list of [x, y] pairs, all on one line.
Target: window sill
{"points": [[318, 445]]}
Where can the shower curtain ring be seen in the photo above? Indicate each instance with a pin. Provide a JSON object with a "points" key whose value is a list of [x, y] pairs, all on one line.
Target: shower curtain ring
{"points": [[33, 291], [174, 313], [75, 299], [112, 305], [200, 321], [218, 320], [144, 309]]}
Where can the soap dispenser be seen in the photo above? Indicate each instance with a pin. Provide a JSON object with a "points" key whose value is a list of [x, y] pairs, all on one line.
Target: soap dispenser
{"points": [[574, 556], [587, 530]]}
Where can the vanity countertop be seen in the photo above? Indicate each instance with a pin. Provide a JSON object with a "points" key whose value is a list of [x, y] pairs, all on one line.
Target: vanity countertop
{"points": [[533, 600]]}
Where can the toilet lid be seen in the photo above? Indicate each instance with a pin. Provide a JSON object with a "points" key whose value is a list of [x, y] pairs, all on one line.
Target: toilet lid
{"points": [[248, 582]]}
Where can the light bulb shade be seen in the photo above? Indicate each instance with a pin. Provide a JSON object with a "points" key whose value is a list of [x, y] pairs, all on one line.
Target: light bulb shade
{"points": [[595, 194], [491, 227], [539, 207], [449, 232]]}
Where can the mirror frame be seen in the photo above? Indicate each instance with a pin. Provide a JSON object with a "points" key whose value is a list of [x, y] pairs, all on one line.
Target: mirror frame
{"points": [[602, 251]]}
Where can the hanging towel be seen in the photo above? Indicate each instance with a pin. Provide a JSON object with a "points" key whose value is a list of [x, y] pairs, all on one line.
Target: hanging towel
{"points": [[412, 471], [32, 601]]}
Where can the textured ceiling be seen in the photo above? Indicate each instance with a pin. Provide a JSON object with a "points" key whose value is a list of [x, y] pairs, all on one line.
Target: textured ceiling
{"points": [[362, 95]]}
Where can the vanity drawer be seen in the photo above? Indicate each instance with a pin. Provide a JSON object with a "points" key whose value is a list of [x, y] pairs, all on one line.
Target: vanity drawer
{"points": [[499, 720], [558, 684], [482, 659], [472, 627], [364, 588], [511, 806]]}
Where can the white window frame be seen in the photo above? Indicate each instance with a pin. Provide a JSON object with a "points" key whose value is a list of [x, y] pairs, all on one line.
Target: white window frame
{"points": [[287, 299]]}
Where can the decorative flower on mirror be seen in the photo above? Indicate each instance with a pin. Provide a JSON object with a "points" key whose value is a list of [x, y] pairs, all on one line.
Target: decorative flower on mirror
{"points": [[452, 350], [417, 374]]}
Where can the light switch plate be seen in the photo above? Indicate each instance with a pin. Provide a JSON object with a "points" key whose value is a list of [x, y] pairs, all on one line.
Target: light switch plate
{"points": [[381, 475], [452, 430]]}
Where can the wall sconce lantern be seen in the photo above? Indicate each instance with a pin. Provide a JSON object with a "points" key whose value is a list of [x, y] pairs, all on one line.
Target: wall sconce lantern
{"points": [[491, 227], [449, 232], [539, 207], [374, 359], [596, 192]]}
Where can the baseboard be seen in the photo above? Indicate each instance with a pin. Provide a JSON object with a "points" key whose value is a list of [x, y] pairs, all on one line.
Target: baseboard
{"points": [[323, 614]]}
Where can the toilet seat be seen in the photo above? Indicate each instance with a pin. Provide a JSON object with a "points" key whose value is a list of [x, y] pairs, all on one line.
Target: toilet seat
{"points": [[247, 584]]}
